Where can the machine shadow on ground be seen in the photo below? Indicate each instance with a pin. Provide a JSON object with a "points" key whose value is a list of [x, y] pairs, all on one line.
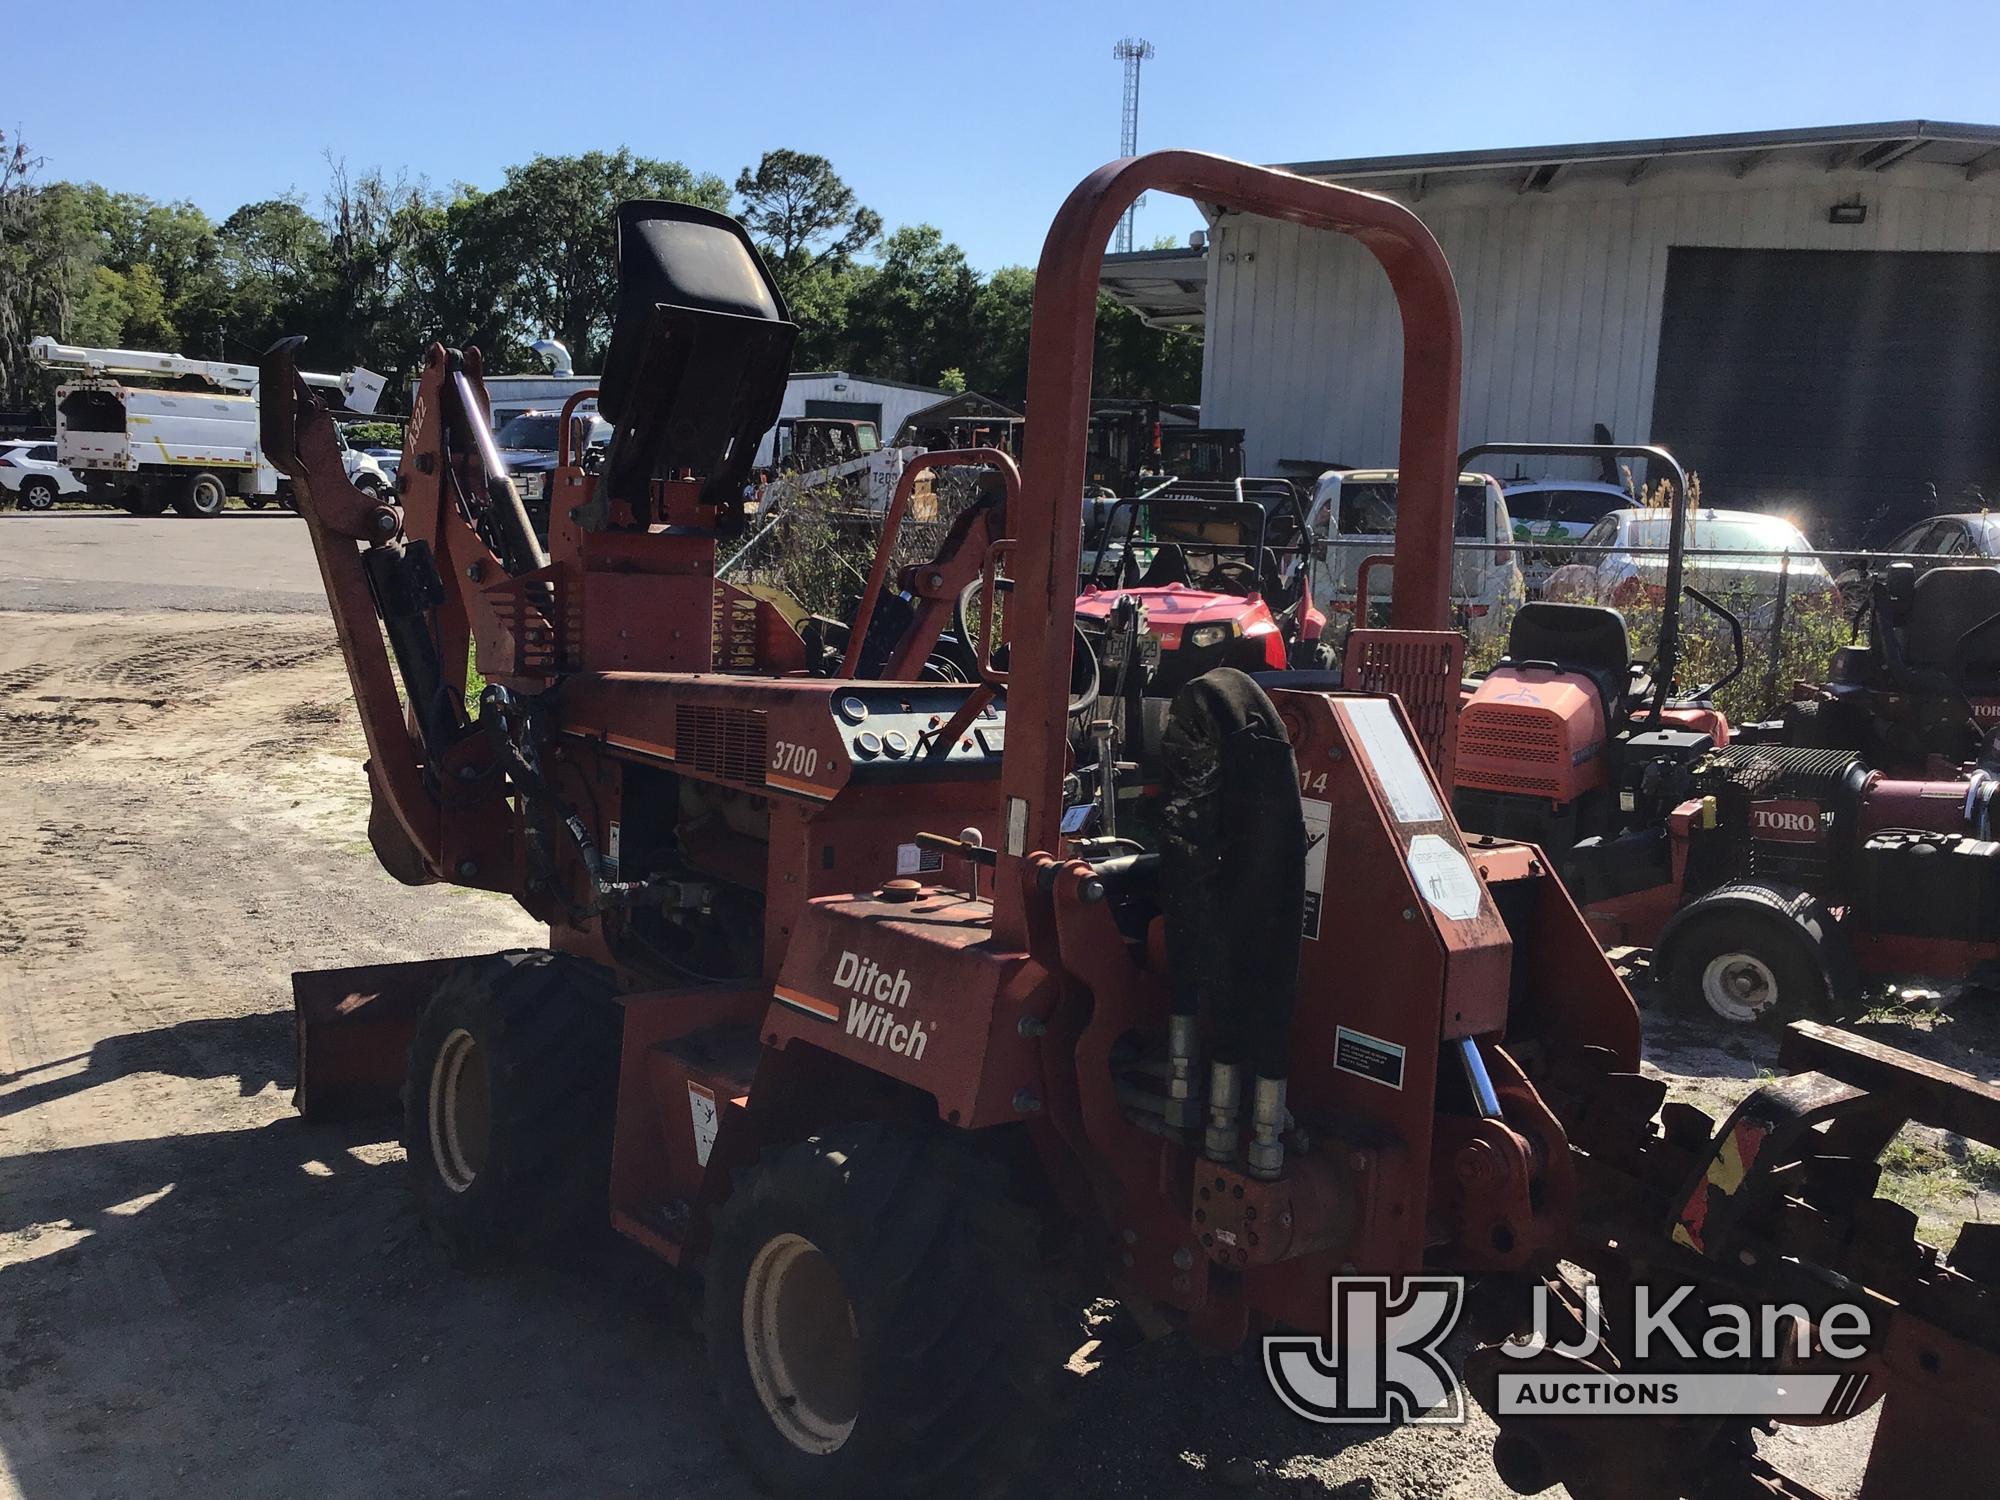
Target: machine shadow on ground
{"points": [[257, 1311], [214, 1048]]}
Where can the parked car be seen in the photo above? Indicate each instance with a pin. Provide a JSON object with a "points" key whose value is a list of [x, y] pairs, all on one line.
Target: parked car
{"points": [[1624, 575], [29, 472], [1937, 541], [1353, 515], [1554, 511]]}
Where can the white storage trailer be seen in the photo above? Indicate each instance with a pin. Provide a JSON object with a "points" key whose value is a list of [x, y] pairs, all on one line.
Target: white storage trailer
{"points": [[148, 447]]}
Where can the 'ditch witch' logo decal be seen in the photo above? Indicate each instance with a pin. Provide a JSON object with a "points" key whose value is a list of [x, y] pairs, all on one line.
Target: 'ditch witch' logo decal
{"points": [[875, 1006]]}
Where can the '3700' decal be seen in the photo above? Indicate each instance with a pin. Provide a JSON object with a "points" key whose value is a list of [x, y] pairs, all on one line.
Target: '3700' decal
{"points": [[793, 767]]}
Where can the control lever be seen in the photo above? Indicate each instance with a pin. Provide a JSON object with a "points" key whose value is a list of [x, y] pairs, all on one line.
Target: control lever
{"points": [[970, 845]]}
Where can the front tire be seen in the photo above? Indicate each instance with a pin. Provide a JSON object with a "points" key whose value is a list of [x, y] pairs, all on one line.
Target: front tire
{"points": [[38, 494], [508, 1099], [203, 495], [875, 1320]]}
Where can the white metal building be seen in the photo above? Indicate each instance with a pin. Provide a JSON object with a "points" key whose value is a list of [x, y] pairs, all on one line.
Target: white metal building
{"points": [[1810, 318]]}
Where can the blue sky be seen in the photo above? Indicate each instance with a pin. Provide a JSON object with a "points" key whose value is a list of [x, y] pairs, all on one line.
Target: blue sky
{"points": [[977, 118]]}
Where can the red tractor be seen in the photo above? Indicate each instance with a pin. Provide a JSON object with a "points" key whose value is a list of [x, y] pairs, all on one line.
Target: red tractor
{"points": [[1306, 1033]]}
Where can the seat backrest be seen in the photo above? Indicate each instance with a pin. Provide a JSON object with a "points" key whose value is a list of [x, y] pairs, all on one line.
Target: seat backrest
{"points": [[1169, 565], [1586, 638], [1947, 603], [1574, 635]]}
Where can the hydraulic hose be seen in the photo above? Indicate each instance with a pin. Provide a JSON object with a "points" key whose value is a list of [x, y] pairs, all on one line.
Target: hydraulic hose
{"points": [[1233, 868]]}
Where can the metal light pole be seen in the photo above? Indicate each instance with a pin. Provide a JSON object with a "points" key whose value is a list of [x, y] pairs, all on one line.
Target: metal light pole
{"points": [[1132, 51]]}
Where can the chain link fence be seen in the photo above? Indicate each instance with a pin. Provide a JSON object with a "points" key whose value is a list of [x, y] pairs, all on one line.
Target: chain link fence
{"points": [[1795, 608], [816, 543]]}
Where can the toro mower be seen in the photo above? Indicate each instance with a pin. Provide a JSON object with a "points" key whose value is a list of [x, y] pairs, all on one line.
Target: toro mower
{"points": [[1922, 695], [1767, 877], [1306, 1033]]}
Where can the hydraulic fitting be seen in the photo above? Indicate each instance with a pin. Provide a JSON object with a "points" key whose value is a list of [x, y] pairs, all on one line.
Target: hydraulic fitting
{"points": [[1267, 1127], [1225, 1103]]}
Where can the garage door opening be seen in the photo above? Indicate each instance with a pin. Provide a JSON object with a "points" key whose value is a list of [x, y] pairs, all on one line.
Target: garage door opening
{"points": [[1837, 386]]}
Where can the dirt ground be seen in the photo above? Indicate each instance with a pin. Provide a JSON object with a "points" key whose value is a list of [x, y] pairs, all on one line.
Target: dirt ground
{"points": [[200, 1294]]}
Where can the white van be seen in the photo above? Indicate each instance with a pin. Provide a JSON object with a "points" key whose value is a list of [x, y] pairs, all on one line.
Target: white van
{"points": [[1353, 515]]}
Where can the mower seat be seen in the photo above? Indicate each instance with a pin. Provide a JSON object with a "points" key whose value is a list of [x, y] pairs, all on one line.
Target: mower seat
{"points": [[1946, 604], [1588, 639]]}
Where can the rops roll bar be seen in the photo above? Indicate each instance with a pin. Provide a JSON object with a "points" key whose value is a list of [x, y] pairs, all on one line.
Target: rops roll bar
{"points": [[1047, 526]]}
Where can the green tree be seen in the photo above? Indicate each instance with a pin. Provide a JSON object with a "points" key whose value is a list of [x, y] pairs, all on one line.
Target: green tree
{"points": [[809, 226], [48, 258], [554, 222], [911, 316], [275, 258], [795, 204], [1135, 360], [1000, 317], [820, 300]]}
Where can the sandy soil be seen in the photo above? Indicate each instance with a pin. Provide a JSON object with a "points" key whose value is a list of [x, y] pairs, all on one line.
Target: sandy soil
{"points": [[201, 1294]]}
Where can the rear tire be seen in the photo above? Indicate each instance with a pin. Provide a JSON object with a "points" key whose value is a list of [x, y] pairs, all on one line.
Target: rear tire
{"points": [[256, 502], [38, 494], [1747, 967], [508, 1101], [203, 495], [875, 1319], [147, 502]]}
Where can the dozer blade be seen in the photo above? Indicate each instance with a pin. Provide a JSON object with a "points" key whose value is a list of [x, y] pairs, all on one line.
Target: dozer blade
{"points": [[351, 1031]]}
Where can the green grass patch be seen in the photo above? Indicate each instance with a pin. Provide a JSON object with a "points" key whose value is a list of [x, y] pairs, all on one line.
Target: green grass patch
{"points": [[1939, 1178]]}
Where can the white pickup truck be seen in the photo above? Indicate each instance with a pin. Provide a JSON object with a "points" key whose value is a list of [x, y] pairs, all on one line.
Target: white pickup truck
{"points": [[190, 444]]}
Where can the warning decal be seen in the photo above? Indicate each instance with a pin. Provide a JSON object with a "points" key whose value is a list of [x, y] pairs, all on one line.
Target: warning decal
{"points": [[1319, 821], [1368, 1057], [1443, 877], [701, 1108]]}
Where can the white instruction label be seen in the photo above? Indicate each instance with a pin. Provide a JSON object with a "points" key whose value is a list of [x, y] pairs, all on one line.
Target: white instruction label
{"points": [[1319, 822], [1443, 877], [701, 1108], [1397, 765]]}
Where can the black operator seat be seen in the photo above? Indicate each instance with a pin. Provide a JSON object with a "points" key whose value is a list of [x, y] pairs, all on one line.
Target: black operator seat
{"points": [[701, 347], [1946, 603], [1589, 639], [1169, 565]]}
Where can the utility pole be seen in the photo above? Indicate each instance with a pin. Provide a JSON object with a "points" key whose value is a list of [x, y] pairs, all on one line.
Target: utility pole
{"points": [[1132, 51]]}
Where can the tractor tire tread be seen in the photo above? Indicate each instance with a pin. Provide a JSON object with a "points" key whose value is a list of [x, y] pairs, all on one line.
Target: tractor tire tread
{"points": [[939, 1262], [548, 1031], [1806, 986]]}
